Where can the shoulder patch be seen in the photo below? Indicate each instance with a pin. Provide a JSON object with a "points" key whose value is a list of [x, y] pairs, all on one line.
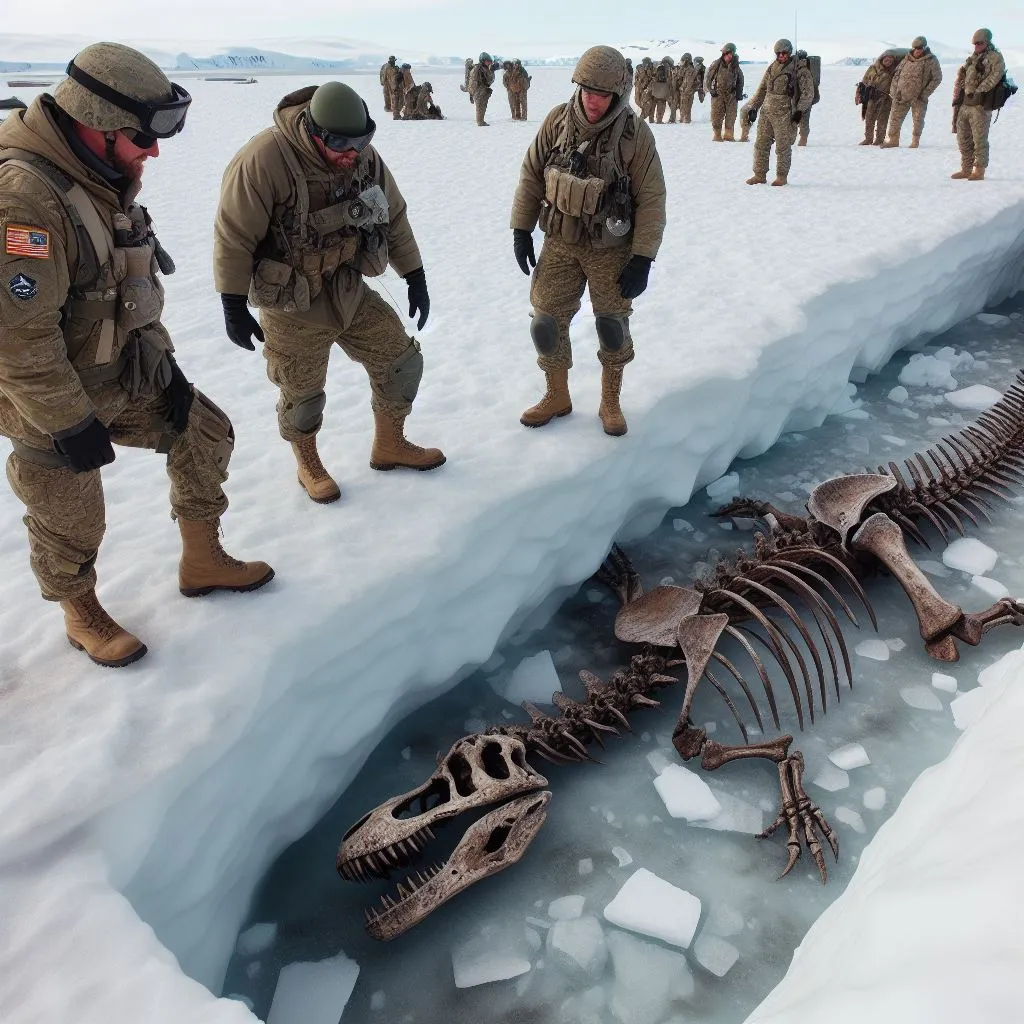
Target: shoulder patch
{"points": [[25, 240], [23, 287]]}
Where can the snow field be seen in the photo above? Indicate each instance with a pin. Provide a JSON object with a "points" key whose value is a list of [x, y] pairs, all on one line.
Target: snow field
{"points": [[140, 808]]}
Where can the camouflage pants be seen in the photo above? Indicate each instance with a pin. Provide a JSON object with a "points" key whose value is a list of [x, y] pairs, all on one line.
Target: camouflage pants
{"points": [[65, 510], [774, 126], [723, 112], [517, 104], [686, 107], [480, 101], [397, 102], [972, 125], [658, 111], [297, 355], [647, 107], [387, 98], [876, 118], [899, 115], [673, 110], [563, 272], [805, 126]]}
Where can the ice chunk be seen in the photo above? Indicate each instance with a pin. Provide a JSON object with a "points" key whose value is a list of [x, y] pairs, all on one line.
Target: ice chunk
{"points": [[853, 755], [313, 993], [406, 753], [969, 555], [895, 644], [874, 799], [647, 978], [933, 568], [920, 697], [533, 939], [534, 678], [567, 908], [850, 817], [928, 371], [686, 795], [651, 906], [479, 962], [584, 1008], [993, 319], [892, 439], [624, 857], [943, 682], [991, 589], [736, 816], [578, 946], [861, 444], [377, 1000], [256, 939], [595, 596], [253, 970], [715, 954], [724, 488], [977, 397], [682, 525], [877, 650], [831, 778], [586, 866], [899, 395]]}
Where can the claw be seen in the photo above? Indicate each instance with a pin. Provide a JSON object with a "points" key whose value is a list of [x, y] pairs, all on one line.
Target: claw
{"points": [[647, 702]]}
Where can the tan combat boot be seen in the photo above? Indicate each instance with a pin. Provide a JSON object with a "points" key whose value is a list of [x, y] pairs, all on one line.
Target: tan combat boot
{"points": [[728, 135], [612, 420], [802, 142], [92, 630], [915, 142], [391, 450], [893, 142], [717, 137], [781, 179], [555, 402], [865, 142], [757, 179], [205, 566], [315, 480], [962, 175], [978, 174]]}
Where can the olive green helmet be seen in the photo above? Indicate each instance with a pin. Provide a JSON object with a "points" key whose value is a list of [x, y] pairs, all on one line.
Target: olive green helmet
{"points": [[783, 46], [983, 35], [729, 48], [485, 56], [919, 43], [337, 107], [602, 68], [115, 67], [688, 56]]}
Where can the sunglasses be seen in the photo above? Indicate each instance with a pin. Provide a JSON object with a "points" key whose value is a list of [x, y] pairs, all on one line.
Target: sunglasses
{"points": [[139, 139], [159, 119]]}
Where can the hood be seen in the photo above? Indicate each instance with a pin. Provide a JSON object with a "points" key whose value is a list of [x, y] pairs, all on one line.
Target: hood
{"points": [[584, 129]]}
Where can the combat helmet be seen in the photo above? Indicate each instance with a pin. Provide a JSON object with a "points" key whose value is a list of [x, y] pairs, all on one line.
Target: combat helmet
{"points": [[392, 59], [603, 69], [783, 46], [484, 55], [336, 108], [919, 43], [688, 56], [729, 48], [111, 86], [983, 35]]}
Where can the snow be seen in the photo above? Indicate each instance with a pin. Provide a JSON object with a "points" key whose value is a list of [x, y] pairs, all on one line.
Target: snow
{"points": [[649, 905], [968, 554], [534, 679], [685, 794], [850, 756], [313, 993], [140, 808], [977, 397]]}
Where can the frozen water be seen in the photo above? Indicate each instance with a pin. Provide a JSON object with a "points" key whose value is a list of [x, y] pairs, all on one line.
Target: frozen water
{"points": [[313, 993], [977, 397], [993, 319], [876, 650], [970, 555], [566, 908], [724, 489], [651, 906], [921, 697], [830, 778], [534, 679], [493, 955], [623, 856], [735, 815], [898, 394], [647, 978], [927, 371], [989, 589], [578, 946], [723, 920], [850, 817], [874, 798], [895, 644], [586, 866], [686, 795], [256, 939], [850, 756], [944, 682], [714, 954]]}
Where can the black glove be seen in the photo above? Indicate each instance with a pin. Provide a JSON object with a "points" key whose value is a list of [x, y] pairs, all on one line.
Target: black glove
{"points": [[522, 246], [89, 449], [180, 395], [797, 117], [240, 324], [419, 300], [633, 279]]}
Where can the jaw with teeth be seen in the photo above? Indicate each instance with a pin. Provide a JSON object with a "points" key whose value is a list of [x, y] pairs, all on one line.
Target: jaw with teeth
{"points": [[478, 771]]}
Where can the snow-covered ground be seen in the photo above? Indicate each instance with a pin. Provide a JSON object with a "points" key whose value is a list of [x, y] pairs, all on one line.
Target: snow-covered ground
{"points": [[139, 808]]}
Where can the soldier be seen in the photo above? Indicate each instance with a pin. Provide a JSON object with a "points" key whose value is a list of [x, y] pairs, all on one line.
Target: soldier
{"points": [[403, 82], [593, 178], [85, 362], [658, 93], [747, 117], [468, 70], [420, 105], [307, 210], [516, 82], [702, 72], [724, 81], [803, 61], [387, 73], [641, 79], [873, 95], [973, 96], [673, 91], [786, 92], [686, 86], [917, 77], [481, 78]]}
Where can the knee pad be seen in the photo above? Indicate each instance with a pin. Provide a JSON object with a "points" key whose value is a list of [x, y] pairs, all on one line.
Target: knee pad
{"points": [[612, 331], [215, 428], [306, 414], [544, 331], [405, 374]]}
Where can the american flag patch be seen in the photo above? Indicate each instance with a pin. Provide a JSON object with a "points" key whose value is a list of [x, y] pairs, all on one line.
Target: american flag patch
{"points": [[27, 241]]}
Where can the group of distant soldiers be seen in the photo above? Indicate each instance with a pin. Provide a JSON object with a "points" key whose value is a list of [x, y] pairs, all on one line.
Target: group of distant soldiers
{"points": [[403, 98]]}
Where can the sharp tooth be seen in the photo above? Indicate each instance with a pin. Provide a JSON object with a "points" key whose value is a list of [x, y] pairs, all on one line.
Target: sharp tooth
{"points": [[373, 862], [429, 831], [402, 891]]}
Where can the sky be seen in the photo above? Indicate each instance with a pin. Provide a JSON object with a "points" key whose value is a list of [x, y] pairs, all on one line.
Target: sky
{"points": [[449, 27]]}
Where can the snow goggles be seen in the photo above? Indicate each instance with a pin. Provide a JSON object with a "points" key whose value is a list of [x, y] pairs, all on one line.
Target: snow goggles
{"points": [[338, 143], [159, 119]]}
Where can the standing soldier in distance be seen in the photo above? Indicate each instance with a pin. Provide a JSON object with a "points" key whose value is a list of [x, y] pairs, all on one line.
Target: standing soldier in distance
{"points": [[702, 73], [724, 81], [972, 95], [593, 178], [387, 71], [917, 77], [803, 61], [786, 93], [873, 96], [481, 78], [85, 362], [686, 87], [307, 210], [468, 70], [403, 83], [659, 92], [641, 79], [517, 82], [673, 92]]}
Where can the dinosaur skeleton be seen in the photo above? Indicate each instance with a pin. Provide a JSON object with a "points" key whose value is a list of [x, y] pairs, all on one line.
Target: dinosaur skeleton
{"points": [[855, 527]]}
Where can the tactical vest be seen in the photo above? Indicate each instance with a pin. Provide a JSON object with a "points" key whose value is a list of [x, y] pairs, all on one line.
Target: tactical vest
{"points": [[115, 287], [305, 248], [586, 188]]}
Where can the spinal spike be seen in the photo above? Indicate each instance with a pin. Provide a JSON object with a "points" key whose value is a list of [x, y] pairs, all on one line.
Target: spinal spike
{"points": [[844, 571], [734, 672], [759, 665], [797, 568], [728, 703]]}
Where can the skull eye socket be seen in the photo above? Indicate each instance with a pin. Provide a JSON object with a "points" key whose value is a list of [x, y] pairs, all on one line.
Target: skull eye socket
{"points": [[462, 775], [494, 762], [437, 793], [496, 840]]}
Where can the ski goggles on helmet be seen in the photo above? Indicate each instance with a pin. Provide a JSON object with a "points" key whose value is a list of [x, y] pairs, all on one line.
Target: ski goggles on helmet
{"points": [[338, 142], [159, 119]]}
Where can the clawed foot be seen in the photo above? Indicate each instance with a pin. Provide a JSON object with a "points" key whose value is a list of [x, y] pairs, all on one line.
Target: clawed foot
{"points": [[802, 818], [745, 508]]}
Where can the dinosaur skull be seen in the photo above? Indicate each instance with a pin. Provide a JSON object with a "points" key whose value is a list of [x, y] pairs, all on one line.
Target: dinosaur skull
{"points": [[477, 772]]}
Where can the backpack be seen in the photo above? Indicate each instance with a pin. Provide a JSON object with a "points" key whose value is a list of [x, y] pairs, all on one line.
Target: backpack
{"points": [[662, 73], [1001, 93], [814, 63]]}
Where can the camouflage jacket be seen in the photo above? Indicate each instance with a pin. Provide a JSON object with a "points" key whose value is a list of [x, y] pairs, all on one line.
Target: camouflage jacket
{"points": [[916, 78], [516, 80], [724, 80], [785, 86], [687, 79], [480, 79], [982, 72], [385, 73], [878, 78]]}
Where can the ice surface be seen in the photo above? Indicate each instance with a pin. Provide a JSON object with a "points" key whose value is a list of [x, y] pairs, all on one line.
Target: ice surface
{"points": [[567, 908], [578, 946], [725, 488], [256, 939], [736, 815], [686, 795], [969, 554], [487, 958], [313, 993], [831, 778], [647, 977], [989, 589], [977, 397], [158, 803], [623, 856], [899, 394], [877, 650], [651, 906], [993, 319], [850, 817], [715, 954], [874, 798], [533, 679], [850, 756], [921, 697], [943, 682]]}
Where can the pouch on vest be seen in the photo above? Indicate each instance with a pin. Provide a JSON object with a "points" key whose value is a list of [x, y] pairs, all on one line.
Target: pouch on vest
{"points": [[276, 285], [572, 196], [147, 368]]}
